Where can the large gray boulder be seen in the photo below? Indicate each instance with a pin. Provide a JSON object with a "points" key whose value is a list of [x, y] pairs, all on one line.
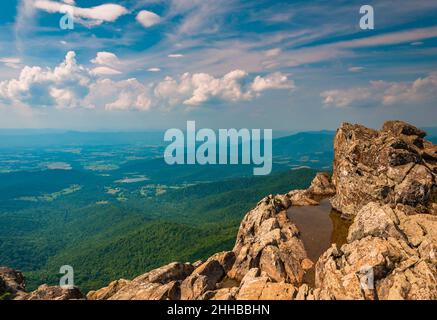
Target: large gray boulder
{"points": [[393, 165]]}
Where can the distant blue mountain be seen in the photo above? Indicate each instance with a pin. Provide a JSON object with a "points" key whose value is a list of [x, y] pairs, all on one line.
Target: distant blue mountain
{"points": [[306, 149], [51, 138], [55, 137], [304, 143]]}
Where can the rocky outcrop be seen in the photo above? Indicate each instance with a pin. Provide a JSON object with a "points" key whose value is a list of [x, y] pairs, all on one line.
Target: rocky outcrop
{"points": [[393, 165], [321, 187], [258, 286], [13, 285], [45, 292], [159, 284], [107, 292], [390, 255], [377, 221], [269, 241], [385, 180], [205, 277]]}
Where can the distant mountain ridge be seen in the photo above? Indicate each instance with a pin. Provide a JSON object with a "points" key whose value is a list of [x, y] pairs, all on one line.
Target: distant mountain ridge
{"points": [[59, 137], [48, 138], [310, 149]]}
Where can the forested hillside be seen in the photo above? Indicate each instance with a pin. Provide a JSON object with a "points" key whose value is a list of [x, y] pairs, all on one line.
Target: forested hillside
{"points": [[105, 241]]}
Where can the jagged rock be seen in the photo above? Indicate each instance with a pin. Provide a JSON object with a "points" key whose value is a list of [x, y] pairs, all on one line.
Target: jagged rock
{"points": [[221, 294], [12, 283], [418, 282], [302, 292], [387, 166], [225, 258], [203, 279], [353, 271], [375, 220], [313, 294], [148, 291], [331, 278], [109, 291], [416, 188], [399, 127], [197, 264], [277, 291], [271, 263], [322, 185], [45, 292], [302, 198], [158, 284], [420, 229], [398, 248], [252, 289], [269, 241], [172, 272], [307, 264], [206, 277], [12, 286], [260, 287]]}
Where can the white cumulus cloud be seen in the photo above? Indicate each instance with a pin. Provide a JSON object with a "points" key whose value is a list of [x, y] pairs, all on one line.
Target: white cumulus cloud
{"points": [[119, 95], [148, 18], [108, 12], [70, 85], [106, 58], [275, 80], [107, 63], [198, 88], [62, 86]]}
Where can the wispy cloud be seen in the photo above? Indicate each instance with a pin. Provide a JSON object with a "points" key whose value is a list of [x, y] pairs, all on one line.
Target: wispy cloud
{"points": [[391, 38], [384, 93], [104, 71], [355, 69], [11, 62], [24, 18]]}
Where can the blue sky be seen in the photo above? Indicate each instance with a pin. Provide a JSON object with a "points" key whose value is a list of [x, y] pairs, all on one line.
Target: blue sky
{"points": [[154, 64]]}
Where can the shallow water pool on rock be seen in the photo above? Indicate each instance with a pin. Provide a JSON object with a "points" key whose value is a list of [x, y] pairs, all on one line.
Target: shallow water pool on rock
{"points": [[319, 226]]}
